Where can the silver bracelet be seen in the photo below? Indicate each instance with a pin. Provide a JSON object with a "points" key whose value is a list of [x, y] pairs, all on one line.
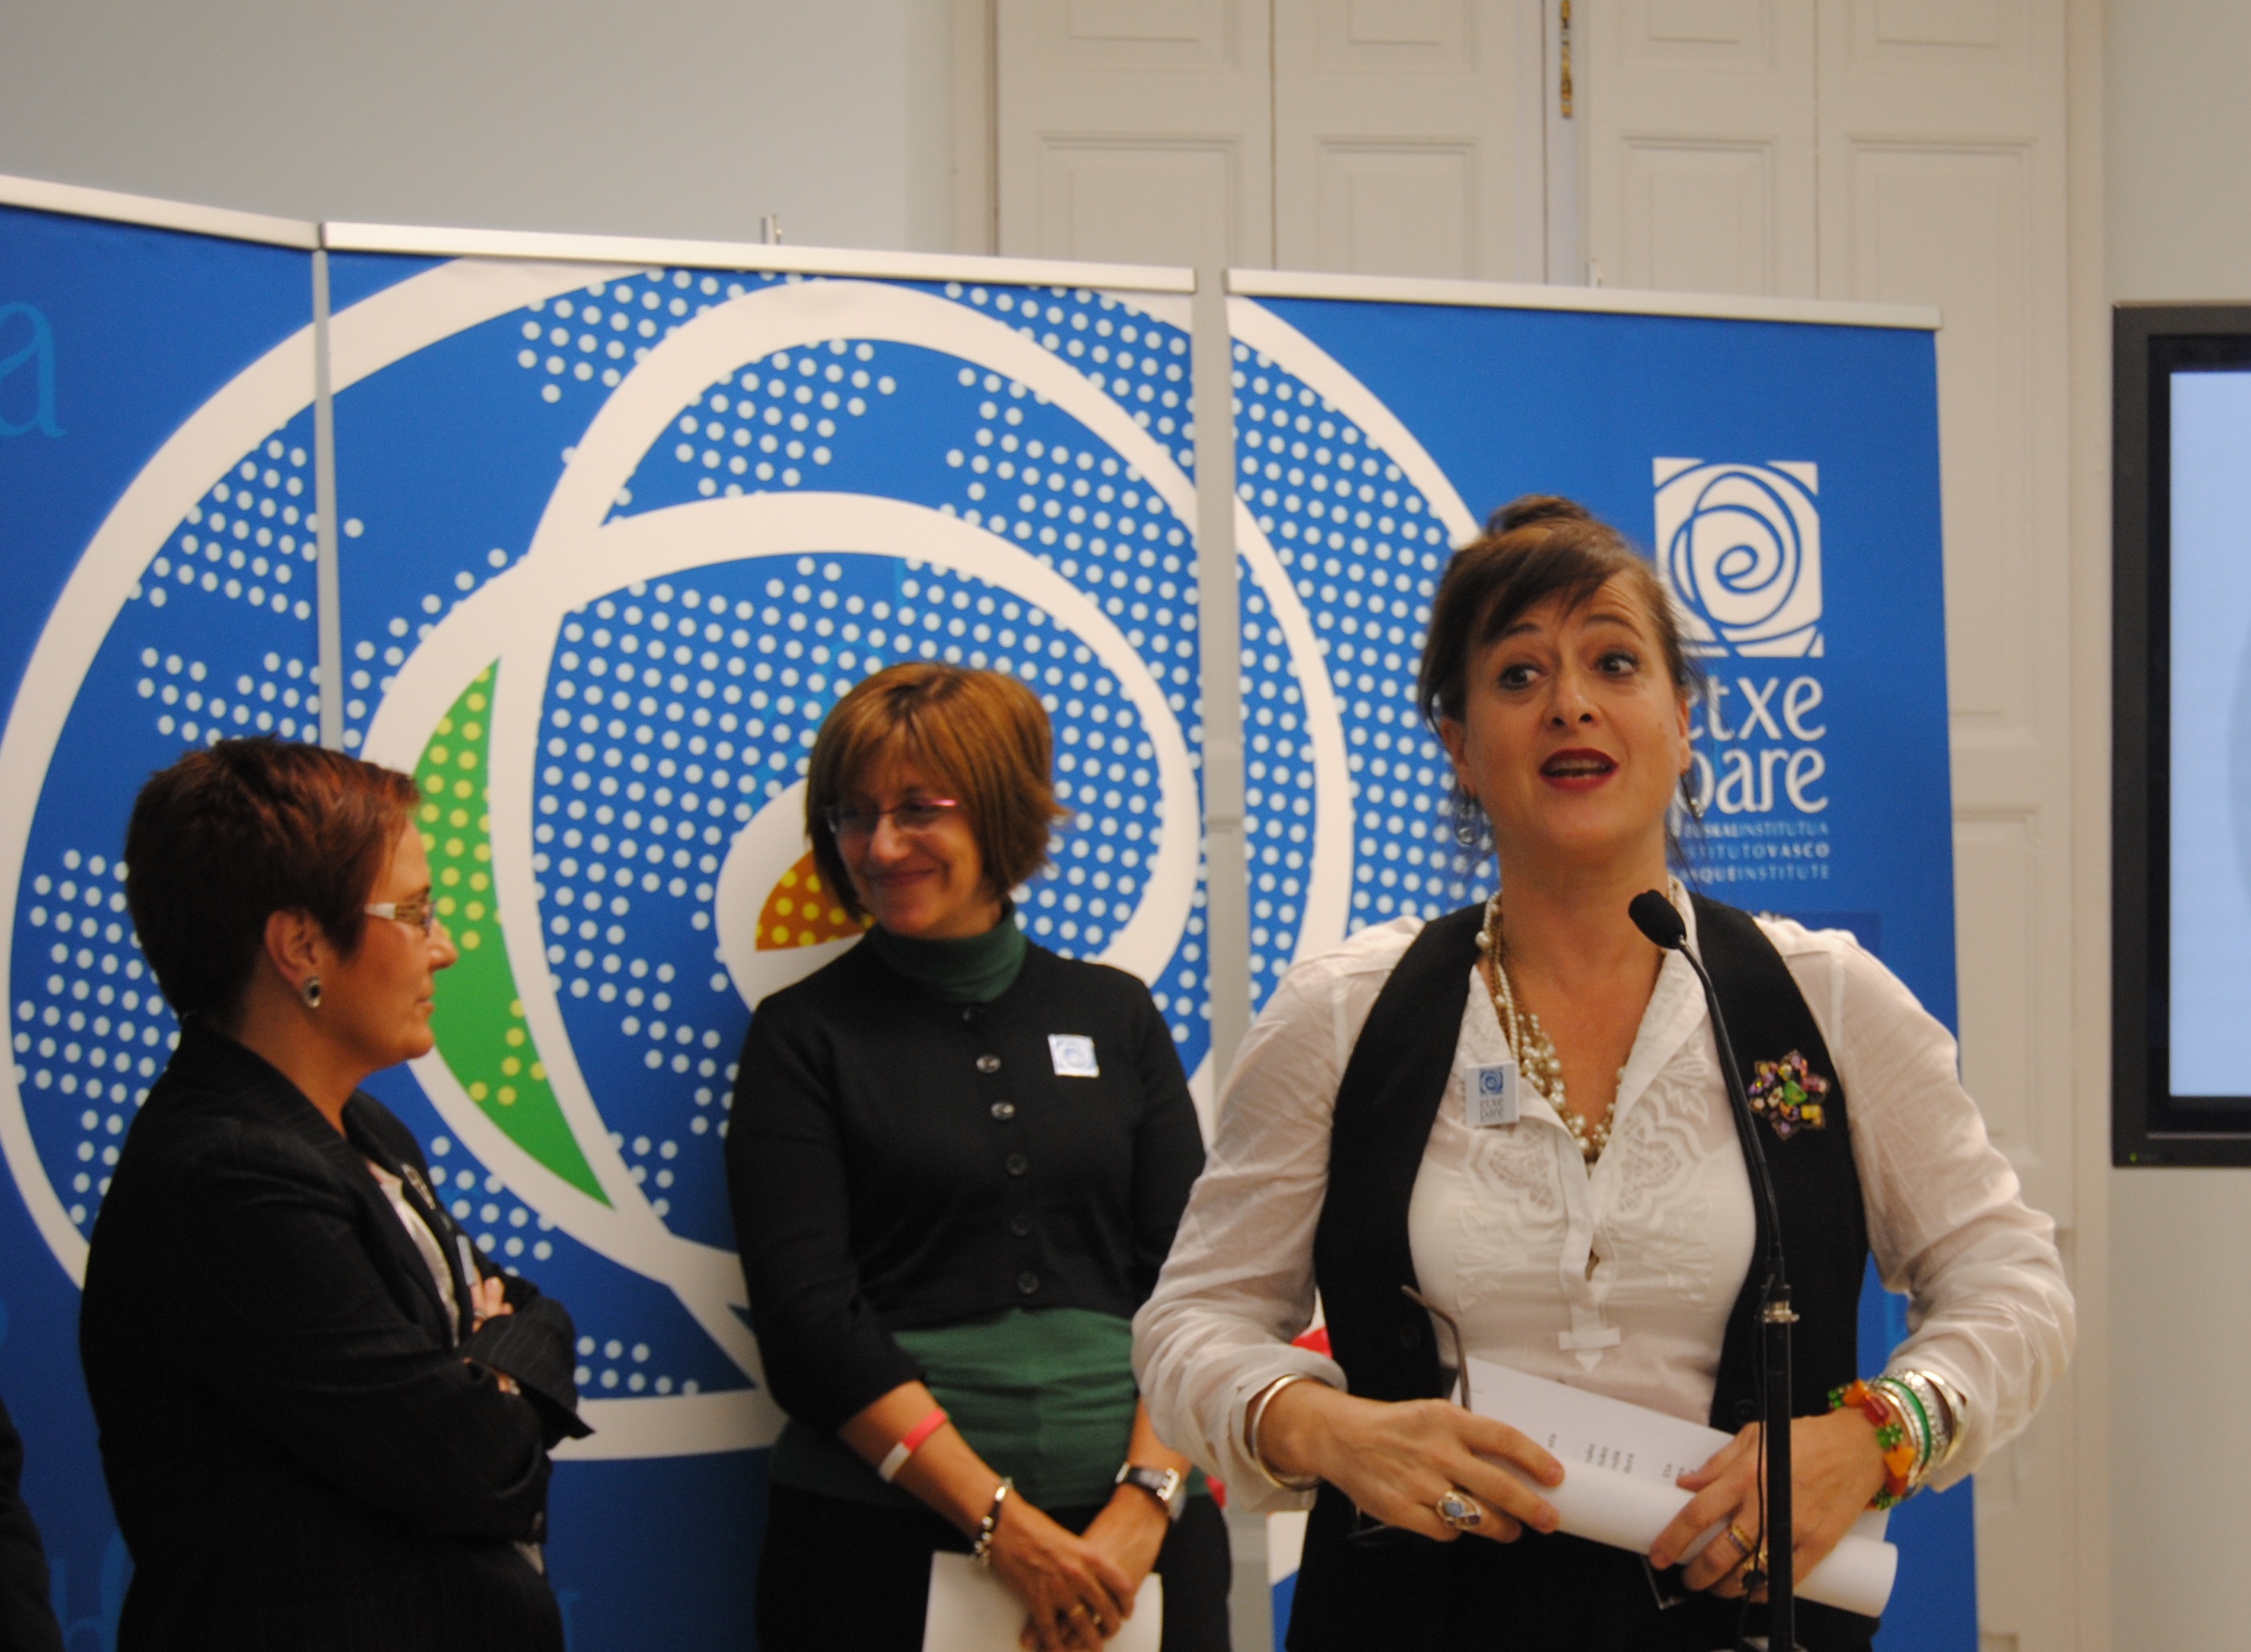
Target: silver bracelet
{"points": [[1254, 1415], [981, 1551], [1942, 1410]]}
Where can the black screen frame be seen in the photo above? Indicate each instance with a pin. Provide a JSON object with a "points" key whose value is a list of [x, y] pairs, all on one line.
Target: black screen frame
{"points": [[2150, 1125]]}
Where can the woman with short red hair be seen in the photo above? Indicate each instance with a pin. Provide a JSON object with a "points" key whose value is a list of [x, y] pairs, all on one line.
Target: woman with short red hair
{"points": [[325, 1415]]}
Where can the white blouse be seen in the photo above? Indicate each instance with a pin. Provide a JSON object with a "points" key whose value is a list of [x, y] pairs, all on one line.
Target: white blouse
{"points": [[424, 1240], [1618, 1279]]}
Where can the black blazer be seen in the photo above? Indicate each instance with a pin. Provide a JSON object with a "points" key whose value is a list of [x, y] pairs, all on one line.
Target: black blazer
{"points": [[302, 1451]]}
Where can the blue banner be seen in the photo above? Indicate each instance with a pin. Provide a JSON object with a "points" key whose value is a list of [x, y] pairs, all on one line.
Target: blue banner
{"points": [[1784, 477], [613, 541], [155, 491]]}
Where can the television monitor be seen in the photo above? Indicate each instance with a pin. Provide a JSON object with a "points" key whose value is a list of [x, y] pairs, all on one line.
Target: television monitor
{"points": [[2181, 735]]}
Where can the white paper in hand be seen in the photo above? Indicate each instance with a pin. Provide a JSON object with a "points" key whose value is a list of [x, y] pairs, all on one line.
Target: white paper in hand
{"points": [[1620, 1461], [970, 1610]]}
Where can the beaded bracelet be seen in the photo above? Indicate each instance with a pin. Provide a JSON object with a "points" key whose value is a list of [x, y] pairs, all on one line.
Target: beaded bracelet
{"points": [[1903, 1456], [1921, 1434], [981, 1550]]}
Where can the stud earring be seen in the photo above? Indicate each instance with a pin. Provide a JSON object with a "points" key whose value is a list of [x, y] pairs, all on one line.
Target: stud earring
{"points": [[311, 991]]}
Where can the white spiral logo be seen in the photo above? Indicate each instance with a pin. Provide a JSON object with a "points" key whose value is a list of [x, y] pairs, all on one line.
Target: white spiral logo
{"points": [[1739, 546]]}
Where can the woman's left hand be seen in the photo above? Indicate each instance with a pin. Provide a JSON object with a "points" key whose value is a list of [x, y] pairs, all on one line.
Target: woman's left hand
{"points": [[1130, 1529], [488, 1300], [1836, 1467]]}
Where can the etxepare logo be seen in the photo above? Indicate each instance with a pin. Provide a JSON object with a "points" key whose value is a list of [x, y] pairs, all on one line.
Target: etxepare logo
{"points": [[1739, 548]]}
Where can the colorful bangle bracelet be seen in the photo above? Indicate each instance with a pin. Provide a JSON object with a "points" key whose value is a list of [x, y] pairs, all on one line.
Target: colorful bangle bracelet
{"points": [[1942, 1408], [1901, 1453], [1917, 1418], [911, 1442]]}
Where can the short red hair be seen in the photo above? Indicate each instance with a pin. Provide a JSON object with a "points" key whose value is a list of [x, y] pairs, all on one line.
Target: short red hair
{"points": [[235, 832]]}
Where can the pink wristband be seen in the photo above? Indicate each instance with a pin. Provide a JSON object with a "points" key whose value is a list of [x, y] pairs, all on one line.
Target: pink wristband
{"points": [[896, 1458]]}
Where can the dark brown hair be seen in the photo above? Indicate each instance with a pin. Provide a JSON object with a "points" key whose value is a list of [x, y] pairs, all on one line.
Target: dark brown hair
{"points": [[232, 834], [1532, 548], [979, 733]]}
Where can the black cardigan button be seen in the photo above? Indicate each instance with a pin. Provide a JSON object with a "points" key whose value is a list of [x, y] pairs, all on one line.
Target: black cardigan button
{"points": [[1020, 1224], [988, 1063], [1004, 1110], [1018, 1164], [1028, 1283], [1411, 1336]]}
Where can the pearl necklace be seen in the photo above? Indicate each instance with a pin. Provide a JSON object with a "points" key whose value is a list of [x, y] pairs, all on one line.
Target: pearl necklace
{"points": [[1528, 1041]]}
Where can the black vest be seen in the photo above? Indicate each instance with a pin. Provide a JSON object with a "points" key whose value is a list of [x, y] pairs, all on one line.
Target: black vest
{"points": [[1394, 1593]]}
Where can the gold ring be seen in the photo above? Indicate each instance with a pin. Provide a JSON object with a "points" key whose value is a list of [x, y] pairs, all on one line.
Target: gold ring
{"points": [[1460, 1511], [1744, 1547]]}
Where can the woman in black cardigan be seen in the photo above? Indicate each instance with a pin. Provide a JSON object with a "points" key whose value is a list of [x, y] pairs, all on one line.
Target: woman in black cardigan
{"points": [[957, 1161], [324, 1415]]}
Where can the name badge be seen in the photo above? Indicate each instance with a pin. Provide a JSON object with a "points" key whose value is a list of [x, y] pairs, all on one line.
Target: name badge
{"points": [[1073, 1054], [1489, 1096]]}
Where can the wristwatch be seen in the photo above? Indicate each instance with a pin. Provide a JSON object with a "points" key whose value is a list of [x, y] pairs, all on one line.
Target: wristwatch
{"points": [[1168, 1486]]}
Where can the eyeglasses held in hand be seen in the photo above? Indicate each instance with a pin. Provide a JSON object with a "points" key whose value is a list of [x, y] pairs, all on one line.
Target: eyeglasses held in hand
{"points": [[918, 814], [420, 912], [1366, 1530]]}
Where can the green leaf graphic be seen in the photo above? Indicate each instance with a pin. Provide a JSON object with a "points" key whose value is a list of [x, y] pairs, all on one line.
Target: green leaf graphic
{"points": [[478, 1020]]}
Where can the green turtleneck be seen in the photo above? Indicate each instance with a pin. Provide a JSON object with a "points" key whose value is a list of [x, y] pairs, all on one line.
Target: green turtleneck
{"points": [[974, 969]]}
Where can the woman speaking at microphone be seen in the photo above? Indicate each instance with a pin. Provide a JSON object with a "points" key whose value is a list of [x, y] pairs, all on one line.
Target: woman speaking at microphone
{"points": [[957, 1161], [1603, 1236]]}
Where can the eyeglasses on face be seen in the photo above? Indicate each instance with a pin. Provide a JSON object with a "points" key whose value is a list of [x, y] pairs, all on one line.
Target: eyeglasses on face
{"points": [[917, 814], [420, 912]]}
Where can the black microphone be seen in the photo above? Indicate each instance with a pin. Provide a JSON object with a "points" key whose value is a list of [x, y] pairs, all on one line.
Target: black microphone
{"points": [[1657, 918]]}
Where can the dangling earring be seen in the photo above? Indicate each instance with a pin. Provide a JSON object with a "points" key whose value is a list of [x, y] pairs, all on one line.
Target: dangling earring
{"points": [[1468, 822], [311, 991], [1689, 800]]}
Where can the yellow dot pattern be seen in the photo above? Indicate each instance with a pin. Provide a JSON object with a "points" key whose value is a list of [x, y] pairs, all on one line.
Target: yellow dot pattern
{"points": [[479, 1021], [800, 911]]}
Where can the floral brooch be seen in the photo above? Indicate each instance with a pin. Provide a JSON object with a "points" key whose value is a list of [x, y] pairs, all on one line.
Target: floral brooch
{"points": [[1787, 1093]]}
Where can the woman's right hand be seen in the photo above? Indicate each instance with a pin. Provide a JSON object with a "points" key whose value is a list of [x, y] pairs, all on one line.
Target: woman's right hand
{"points": [[1075, 1597], [1396, 1460]]}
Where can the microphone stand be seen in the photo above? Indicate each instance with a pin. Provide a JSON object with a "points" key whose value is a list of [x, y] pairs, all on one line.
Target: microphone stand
{"points": [[1653, 914]]}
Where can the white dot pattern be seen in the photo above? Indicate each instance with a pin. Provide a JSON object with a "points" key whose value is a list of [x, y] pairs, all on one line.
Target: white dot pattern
{"points": [[91, 1031], [251, 538], [216, 639], [1363, 552]]}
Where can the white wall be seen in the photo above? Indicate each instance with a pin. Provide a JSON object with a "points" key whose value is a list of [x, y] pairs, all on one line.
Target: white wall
{"points": [[2178, 187], [2178, 226], [659, 117]]}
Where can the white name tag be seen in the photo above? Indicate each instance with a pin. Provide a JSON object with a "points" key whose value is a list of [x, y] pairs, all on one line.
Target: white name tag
{"points": [[1073, 1054], [1489, 1094]]}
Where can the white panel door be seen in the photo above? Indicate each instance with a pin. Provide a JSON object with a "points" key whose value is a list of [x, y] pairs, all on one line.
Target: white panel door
{"points": [[1943, 181], [1135, 130], [1407, 138], [1697, 140]]}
